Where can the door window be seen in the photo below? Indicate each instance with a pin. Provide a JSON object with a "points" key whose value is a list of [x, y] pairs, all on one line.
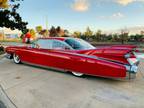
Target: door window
{"points": [[60, 45], [45, 43]]}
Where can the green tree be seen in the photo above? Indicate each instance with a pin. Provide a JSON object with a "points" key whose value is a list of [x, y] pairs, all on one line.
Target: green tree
{"points": [[66, 33], [124, 36], [3, 3], [60, 31], [88, 32], [44, 33], [115, 37], [53, 32], [38, 29], [9, 17], [33, 33], [98, 35], [77, 34]]}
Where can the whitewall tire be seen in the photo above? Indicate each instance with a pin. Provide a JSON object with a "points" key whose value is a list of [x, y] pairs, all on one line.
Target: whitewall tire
{"points": [[77, 74], [16, 59]]}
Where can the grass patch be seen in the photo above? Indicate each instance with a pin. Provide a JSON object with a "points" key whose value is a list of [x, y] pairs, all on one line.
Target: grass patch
{"points": [[12, 40], [1, 52]]}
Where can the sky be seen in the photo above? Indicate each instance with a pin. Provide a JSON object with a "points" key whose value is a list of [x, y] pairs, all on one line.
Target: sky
{"points": [[77, 15]]}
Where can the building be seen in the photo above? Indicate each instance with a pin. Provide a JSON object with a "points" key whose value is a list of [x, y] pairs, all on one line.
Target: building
{"points": [[1, 35], [9, 35]]}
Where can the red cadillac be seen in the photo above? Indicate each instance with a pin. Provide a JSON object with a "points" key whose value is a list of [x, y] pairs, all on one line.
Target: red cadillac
{"points": [[78, 57]]}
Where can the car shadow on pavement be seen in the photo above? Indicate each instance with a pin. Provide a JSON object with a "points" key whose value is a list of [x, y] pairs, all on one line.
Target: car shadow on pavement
{"points": [[86, 77]]}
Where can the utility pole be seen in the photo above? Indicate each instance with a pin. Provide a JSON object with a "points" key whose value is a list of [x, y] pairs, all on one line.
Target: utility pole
{"points": [[46, 22], [47, 31]]}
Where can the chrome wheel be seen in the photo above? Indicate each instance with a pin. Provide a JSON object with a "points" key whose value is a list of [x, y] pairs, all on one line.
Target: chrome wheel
{"points": [[16, 59], [77, 74]]}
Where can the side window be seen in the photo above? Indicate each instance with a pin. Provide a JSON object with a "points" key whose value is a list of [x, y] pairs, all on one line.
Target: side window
{"points": [[72, 43], [59, 45], [45, 43]]}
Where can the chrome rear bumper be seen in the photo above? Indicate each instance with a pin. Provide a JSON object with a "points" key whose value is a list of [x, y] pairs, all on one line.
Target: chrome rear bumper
{"points": [[132, 69]]}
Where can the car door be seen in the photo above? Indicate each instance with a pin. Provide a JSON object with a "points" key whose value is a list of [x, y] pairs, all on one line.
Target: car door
{"points": [[51, 54], [43, 51], [60, 52], [27, 54]]}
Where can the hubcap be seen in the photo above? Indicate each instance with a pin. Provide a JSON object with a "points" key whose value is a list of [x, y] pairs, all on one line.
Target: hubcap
{"points": [[16, 58]]}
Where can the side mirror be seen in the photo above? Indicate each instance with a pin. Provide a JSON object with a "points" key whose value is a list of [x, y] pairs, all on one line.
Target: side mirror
{"points": [[33, 45]]}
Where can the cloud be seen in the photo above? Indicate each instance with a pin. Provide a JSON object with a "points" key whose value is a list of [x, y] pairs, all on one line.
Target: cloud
{"points": [[80, 5], [126, 2], [121, 2], [84, 5], [117, 15]]}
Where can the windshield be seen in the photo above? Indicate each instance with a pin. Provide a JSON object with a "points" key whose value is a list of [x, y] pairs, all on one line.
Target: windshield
{"points": [[79, 44]]}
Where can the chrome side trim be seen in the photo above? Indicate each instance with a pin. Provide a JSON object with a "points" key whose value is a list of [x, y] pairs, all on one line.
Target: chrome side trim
{"points": [[42, 66]]}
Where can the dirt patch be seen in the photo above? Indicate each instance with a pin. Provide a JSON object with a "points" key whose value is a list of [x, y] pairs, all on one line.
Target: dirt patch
{"points": [[18, 77]]}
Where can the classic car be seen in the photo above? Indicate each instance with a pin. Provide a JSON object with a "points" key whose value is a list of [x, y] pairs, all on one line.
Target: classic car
{"points": [[78, 57]]}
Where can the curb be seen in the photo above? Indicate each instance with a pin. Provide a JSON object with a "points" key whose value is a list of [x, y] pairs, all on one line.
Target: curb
{"points": [[6, 102]]}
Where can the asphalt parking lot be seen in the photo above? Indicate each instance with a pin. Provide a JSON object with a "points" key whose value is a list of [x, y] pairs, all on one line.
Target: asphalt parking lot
{"points": [[33, 87]]}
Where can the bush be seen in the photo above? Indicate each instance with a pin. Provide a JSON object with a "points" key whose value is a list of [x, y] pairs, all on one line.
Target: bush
{"points": [[1, 49]]}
